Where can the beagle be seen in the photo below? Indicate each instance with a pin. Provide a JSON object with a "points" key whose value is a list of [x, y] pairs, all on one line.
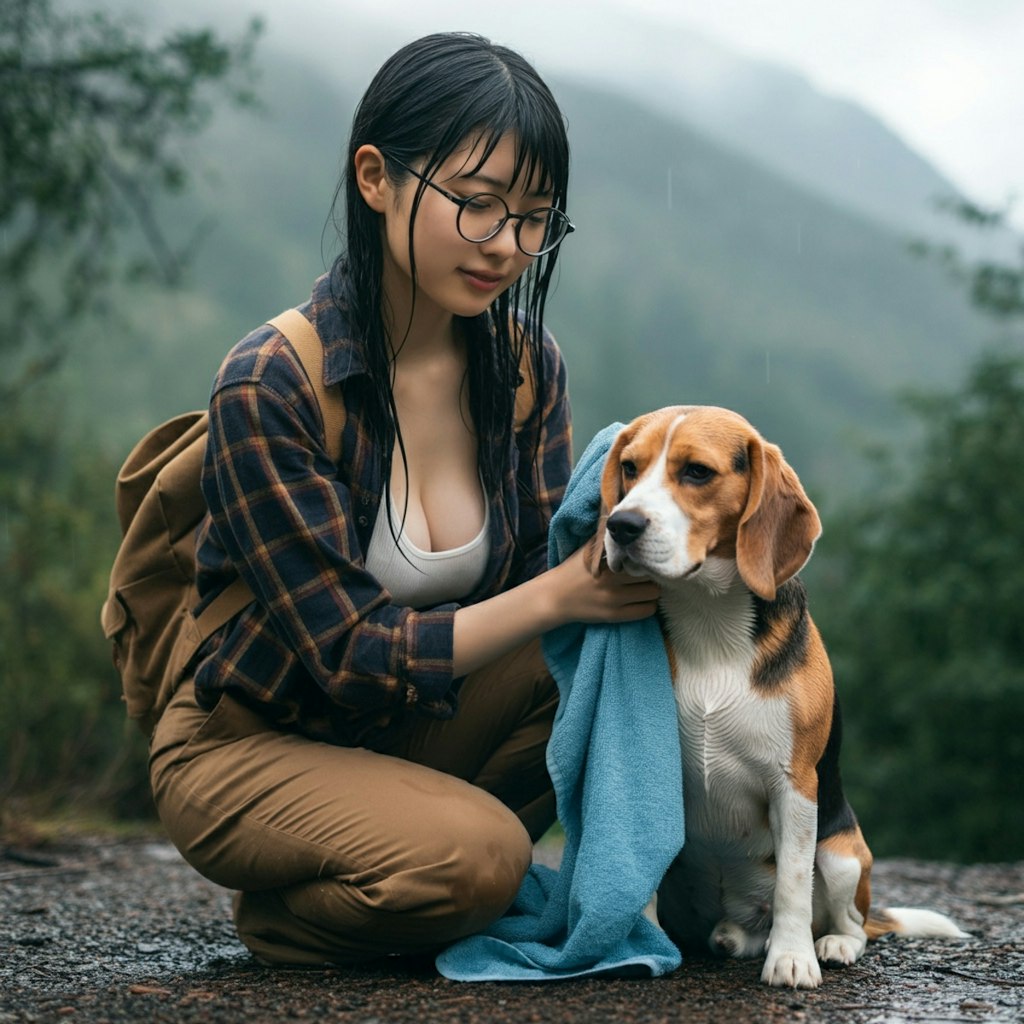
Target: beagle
{"points": [[774, 860]]}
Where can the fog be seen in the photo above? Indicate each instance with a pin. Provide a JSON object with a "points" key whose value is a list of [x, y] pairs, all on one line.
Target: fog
{"points": [[945, 75]]}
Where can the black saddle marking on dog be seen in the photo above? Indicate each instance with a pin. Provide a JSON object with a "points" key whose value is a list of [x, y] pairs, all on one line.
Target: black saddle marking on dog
{"points": [[834, 811], [789, 607]]}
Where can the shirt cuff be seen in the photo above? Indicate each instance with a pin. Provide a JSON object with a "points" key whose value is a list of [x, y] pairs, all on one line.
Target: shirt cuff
{"points": [[427, 662]]}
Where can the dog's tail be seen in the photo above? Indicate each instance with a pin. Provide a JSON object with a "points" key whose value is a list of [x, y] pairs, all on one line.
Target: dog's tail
{"points": [[912, 923]]}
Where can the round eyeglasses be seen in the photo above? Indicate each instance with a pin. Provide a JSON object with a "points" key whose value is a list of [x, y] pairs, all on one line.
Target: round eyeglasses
{"points": [[482, 215]]}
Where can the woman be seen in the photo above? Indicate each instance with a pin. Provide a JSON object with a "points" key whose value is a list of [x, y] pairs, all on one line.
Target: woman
{"points": [[361, 752]]}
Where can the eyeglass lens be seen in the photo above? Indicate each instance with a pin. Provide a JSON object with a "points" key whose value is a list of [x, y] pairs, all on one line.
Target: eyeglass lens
{"points": [[483, 216]]}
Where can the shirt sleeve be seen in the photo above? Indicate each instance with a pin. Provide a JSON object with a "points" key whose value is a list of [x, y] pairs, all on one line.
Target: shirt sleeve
{"points": [[545, 461], [286, 523]]}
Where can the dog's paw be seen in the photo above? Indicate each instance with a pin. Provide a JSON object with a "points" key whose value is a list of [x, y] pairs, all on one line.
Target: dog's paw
{"points": [[727, 939], [840, 950], [793, 968], [731, 939]]}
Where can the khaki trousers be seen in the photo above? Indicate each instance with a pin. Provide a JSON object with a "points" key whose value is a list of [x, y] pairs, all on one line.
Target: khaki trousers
{"points": [[345, 854]]}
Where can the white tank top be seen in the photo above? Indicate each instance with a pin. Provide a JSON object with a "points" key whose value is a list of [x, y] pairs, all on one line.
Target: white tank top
{"points": [[421, 579]]}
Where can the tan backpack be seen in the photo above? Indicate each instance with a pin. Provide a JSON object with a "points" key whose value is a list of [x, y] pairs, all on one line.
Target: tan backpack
{"points": [[147, 615]]}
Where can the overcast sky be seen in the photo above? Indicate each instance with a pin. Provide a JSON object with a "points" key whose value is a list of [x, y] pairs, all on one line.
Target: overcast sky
{"points": [[946, 75]]}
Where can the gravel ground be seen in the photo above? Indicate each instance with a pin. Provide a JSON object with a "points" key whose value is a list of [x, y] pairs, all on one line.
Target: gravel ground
{"points": [[102, 931]]}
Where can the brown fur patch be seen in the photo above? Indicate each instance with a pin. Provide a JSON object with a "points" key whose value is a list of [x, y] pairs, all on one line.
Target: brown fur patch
{"points": [[809, 691], [779, 525], [878, 924]]}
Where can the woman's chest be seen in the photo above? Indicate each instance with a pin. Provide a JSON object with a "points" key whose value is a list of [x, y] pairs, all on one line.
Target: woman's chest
{"points": [[435, 480]]}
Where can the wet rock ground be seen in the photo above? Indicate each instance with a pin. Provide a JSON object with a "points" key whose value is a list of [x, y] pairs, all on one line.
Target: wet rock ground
{"points": [[101, 931]]}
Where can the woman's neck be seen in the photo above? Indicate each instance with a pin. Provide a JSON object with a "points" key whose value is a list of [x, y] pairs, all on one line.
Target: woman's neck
{"points": [[415, 325]]}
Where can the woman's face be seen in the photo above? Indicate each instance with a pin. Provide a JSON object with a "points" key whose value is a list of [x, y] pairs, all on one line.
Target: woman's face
{"points": [[457, 276]]}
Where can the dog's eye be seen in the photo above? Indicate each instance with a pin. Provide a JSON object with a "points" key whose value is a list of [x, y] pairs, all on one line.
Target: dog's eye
{"points": [[628, 469], [696, 473]]}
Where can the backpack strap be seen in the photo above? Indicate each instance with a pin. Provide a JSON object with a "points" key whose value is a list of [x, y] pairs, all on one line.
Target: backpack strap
{"points": [[526, 393], [310, 350], [224, 607]]}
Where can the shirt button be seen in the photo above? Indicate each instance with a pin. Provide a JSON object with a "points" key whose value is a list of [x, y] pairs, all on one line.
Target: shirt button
{"points": [[362, 520], [365, 499]]}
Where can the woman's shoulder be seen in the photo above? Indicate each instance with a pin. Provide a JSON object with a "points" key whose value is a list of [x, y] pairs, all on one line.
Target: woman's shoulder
{"points": [[552, 375], [258, 359], [551, 356], [265, 357], [262, 386], [552, 353]]}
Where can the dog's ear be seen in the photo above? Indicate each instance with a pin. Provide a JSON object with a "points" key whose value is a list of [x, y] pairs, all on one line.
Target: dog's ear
{"points": [[611, 495], [779, 525], [593, 556]]}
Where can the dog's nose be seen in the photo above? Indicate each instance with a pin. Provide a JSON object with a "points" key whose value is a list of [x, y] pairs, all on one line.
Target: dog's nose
{"points": [[625, 526]]}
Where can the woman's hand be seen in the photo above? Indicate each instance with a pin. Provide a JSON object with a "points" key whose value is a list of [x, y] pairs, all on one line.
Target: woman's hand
{"points": [[569, 592], [582, 595]]}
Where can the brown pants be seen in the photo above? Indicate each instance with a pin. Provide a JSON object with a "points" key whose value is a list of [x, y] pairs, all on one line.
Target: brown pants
{"points": [[345, 854]]}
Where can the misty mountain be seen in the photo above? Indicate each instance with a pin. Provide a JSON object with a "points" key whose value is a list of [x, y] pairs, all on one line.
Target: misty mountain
{"points": [[726, 284], [697, 275], [764, 110], [828, 145]]}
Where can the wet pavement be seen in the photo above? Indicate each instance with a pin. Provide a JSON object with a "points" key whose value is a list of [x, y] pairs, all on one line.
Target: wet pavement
{"points": [[100, 931]]}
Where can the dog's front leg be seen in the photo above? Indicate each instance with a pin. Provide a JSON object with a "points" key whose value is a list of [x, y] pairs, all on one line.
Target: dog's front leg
{"points": [[791, 958]]}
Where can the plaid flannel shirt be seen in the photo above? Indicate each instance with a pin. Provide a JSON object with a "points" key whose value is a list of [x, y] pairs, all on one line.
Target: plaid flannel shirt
{"points": [[322, 650]]}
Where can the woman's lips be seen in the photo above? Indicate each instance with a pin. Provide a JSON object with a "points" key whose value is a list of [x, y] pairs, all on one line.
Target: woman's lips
{"points": [[483, 281]]}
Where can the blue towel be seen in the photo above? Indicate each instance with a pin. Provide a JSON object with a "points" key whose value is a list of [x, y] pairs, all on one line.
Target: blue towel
{"points": [[615, 763]]}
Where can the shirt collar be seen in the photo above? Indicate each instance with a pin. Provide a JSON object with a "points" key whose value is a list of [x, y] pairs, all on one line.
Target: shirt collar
{"points": [[326, 310]]}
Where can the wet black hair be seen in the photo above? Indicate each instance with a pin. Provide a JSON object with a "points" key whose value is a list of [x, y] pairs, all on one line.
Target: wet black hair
{"points": [[424, 104]]}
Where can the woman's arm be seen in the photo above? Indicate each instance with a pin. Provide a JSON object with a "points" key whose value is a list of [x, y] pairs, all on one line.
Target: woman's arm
{"points": [[566, 593]]}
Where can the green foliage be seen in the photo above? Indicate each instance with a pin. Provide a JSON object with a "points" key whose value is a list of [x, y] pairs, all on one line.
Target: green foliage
{"points": [[91, 115], [994, 286], [921, 610], [63, 730]]}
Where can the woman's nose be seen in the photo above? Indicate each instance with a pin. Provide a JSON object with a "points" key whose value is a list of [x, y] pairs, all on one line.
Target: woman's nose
{"points": [[504, 242]]}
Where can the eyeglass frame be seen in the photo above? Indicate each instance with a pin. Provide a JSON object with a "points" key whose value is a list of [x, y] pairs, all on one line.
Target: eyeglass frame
{"points": [[463, 202]]}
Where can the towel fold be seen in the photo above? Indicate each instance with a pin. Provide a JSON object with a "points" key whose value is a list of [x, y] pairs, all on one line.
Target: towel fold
{"points": [[615, 763]]}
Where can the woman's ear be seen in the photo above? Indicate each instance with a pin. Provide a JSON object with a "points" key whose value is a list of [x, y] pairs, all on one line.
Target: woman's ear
{"points": [[371, 177]]}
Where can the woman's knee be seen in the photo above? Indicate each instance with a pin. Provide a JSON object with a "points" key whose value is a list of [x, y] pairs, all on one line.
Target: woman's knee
{"points": [[461, 887], [471, 876], [487, 870]]}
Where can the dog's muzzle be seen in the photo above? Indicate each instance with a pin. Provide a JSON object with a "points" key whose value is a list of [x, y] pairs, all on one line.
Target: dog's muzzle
{"points": [[626, 526]]}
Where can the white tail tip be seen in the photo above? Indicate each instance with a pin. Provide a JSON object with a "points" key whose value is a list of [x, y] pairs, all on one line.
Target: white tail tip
{"points": [[924, 924]]}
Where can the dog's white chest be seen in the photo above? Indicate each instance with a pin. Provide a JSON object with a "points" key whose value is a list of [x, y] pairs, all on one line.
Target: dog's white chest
{"points": [[731, 736], [736, 742]]}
